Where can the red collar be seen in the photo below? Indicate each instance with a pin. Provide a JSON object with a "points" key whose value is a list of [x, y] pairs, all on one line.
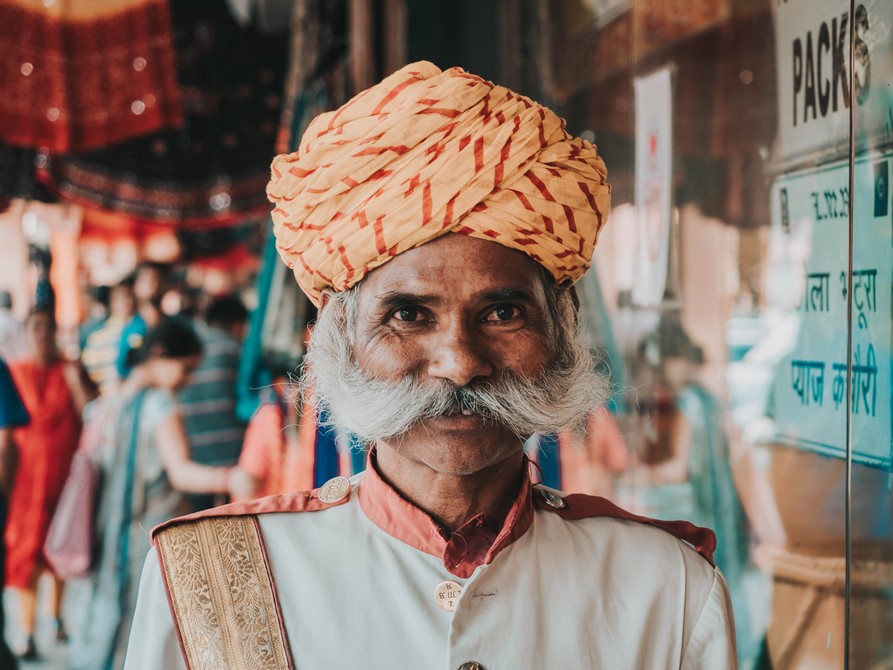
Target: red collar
{"points": [[462, 551]]}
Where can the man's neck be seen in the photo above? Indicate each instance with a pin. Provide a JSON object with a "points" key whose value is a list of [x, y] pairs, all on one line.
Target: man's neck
{"points": [[44, 359], [454, 499]]}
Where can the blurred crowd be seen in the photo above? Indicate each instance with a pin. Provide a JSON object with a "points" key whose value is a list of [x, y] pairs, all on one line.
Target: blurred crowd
{"points": [[150, 402]]}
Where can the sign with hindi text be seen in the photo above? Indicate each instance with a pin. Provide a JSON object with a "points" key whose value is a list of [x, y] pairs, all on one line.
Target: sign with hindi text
{"points": [[810, 216]]}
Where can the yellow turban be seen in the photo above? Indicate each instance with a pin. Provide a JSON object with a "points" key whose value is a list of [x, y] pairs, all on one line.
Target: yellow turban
{"points": [[425, 153]]}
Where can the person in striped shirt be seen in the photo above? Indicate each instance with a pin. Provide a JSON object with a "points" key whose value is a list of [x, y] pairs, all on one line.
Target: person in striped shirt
{"points": [[209, 401], [100, 354]]}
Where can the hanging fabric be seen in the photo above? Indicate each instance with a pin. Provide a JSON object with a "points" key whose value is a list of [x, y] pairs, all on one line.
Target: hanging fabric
{"points": [[80, 75], [212, 170]]}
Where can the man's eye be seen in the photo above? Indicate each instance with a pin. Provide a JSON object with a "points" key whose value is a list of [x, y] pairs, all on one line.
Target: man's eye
{"points": [[408, 314], [503, 313]]}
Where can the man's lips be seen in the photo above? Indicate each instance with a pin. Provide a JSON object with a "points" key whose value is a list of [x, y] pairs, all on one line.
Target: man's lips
{"points": [[459, 420]]}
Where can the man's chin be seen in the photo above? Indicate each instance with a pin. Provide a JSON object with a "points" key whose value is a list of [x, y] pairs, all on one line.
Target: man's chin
{"points": [[474, 426], [458, 446]]}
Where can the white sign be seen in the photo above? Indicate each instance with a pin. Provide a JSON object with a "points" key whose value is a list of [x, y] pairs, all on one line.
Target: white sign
{"points": [[814, 69], [654, 184], [809, 210]]}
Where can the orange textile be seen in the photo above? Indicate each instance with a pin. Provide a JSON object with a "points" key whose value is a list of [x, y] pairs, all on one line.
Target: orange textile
{"points": [[45, 449], [589, 463], [280, 464], [425, 153]]}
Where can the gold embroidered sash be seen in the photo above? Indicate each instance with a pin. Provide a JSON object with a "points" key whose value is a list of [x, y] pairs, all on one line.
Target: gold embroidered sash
{"points": [[222, 595]]}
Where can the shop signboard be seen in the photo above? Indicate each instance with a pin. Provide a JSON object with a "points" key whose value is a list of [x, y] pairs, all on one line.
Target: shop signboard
{"points": [[810, 235], [814, 70], [654, 184]]}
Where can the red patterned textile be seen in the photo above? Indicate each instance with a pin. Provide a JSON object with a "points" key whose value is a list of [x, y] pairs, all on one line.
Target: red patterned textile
{"points": [[210, 172], [425, 153], [80, 75]]}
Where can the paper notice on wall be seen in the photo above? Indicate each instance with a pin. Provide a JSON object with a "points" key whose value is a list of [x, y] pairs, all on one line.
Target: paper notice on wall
{"points": [[654, 183], [810, 222]]}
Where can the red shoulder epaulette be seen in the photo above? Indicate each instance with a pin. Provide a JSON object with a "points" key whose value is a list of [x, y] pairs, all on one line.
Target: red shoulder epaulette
{"points": [[581, 506], [302, 501]]}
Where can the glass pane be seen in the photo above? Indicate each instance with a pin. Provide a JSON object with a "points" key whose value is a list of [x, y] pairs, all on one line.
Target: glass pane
{"points": [[871, 536], [723, 125]]}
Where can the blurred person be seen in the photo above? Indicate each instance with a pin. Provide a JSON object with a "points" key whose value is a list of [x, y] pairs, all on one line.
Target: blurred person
{"points": [[274, 452], [693, 477], [439, 222], [97, 312], [285, 444], [181, 300], [55, 393], [151, 282], [100, 353], [594, 455], [12, 332], [209, 401], [147, 472], [12, 415]]}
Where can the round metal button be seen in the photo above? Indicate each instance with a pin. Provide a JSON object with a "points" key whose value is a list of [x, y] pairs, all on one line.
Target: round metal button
{"points": [[471, 665], [334, 490], [446, 595], [553, 499]]}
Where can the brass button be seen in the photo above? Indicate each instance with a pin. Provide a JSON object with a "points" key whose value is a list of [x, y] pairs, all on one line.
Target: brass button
{"points": [[553, 499], [471, 665], [446, 595], [334, 490]]}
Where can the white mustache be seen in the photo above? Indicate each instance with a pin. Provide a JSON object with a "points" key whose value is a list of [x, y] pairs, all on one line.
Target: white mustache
{"points": [[560, 396]]}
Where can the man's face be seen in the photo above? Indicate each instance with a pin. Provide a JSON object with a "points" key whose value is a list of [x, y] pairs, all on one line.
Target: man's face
{"points": [[40, 332], [149, 285], [121, 303], [174, 373], [456, 309]]}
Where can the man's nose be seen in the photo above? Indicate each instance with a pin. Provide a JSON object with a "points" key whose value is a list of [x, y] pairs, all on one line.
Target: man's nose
{"points": [[460, 355]]}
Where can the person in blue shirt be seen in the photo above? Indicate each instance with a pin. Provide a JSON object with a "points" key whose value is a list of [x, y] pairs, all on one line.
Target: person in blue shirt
{"points": [[150, 284]]}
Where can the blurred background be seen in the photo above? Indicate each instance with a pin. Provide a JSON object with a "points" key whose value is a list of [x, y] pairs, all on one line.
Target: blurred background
{"points": [[739, 299]]}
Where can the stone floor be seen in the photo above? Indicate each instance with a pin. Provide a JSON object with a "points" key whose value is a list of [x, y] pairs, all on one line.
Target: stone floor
{"points": [[53, 654]]}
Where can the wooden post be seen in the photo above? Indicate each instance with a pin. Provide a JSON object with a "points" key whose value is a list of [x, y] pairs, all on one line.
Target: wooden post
{"points": [[510, 43], [303, 57], [394, 35], [362, 44]]}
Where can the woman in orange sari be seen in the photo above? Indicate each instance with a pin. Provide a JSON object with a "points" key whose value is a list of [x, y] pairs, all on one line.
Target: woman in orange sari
{"points": [[54, 392]]}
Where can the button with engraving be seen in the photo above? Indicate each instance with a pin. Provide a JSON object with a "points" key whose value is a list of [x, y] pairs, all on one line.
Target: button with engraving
{"points": [[334, 490], [471, 665], [553, 499], [446, 595]]}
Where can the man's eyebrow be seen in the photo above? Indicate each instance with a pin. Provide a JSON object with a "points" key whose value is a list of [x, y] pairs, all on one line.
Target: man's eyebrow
{"points": [[393, 299], [508, 295]]}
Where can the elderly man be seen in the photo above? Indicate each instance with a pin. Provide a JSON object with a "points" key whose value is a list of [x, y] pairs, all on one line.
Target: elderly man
{"points": [[439, 222]]}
